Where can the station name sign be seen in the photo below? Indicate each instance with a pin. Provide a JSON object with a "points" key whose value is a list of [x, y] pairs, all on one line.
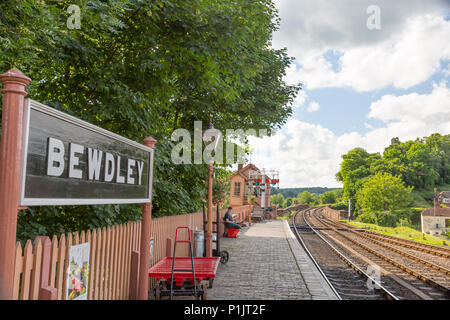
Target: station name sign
{"points": [[68, 161]]}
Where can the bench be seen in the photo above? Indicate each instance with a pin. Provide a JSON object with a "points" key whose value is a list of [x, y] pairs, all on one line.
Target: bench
{"points": [[258, 214]]}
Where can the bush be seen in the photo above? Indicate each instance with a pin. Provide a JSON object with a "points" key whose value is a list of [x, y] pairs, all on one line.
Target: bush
{"points": [[393, 218], [387, 219], [404, 222], [339, 206], [367, 217]]}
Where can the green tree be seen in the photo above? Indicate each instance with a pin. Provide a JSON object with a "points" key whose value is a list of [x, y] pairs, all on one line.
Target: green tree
{"points": [[328, 197], [439, 146], [413, 160], [356, 165], [141, 68], [307, 198], [288, 202], [382, 192], [277, 200]]}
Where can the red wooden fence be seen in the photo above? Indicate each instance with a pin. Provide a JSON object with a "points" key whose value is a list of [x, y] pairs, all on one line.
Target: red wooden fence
{"points": [[44, 262]]}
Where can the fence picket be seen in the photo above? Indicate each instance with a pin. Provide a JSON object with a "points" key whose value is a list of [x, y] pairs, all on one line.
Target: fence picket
{"points": [[116, 261], [97, 264], [26, 274], [53, 261], [61, 271], [93, 265], [18, 267], [36, 273], [66, 264], [127, 261], [108, 256], [120, 264]]}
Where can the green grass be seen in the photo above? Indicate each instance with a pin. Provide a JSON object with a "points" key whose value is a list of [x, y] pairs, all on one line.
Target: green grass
{"points": [[286, 216], [400, 232]]}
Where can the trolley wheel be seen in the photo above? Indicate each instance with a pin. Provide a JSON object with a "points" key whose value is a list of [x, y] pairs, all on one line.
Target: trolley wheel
{"points": [[211, 281], [158, 292], [205, 288], [224, 256]]}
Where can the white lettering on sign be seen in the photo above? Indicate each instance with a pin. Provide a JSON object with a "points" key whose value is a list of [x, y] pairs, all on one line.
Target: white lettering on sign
{"points": [[140, 167], [55, 159], [94, 159], [94, 163], [119, 178], [75, 161], [109, 167], [130, 179]]}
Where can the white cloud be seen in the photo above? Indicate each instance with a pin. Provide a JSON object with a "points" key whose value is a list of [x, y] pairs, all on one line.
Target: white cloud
{"points": [[309, 155], [300, 99], [406, 51], [313, 107]]}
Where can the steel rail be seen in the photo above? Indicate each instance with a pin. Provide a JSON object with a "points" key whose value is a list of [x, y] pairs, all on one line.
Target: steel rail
{"points": [[347, 260], [397, 264], [424, 247], [403, 253], [312, 258]]}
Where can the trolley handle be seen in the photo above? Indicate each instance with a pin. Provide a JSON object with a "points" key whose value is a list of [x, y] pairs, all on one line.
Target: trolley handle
{"points": [[176, 234]]}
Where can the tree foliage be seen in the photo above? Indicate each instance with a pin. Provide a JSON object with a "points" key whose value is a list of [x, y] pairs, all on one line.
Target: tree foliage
{"points": [[328, 197], [382, 184], [307, 198], [144, 68], [382, 192], [293, 192], [355, 166], [277, 200]]}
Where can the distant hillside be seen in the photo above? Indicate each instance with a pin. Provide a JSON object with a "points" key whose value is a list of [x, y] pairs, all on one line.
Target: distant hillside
{"points": [[293, 192]]}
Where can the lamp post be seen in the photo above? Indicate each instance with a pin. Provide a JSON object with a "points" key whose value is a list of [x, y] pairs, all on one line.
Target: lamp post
{"points": [[207, 136]]}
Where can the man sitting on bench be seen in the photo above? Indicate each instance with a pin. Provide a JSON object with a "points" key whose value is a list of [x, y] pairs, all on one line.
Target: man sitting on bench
{"points": [[228, 220]]}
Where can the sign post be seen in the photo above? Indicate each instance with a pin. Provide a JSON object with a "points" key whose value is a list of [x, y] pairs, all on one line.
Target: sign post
{"points": [[48, 157], [146, 223], [349, 209], [14, 84]]}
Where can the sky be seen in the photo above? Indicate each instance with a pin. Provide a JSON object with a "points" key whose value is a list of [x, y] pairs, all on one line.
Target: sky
{"points": [[369, 74]]}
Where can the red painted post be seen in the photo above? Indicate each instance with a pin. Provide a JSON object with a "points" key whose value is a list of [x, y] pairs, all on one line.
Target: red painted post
{"points": [[14, 84], [134, 275], [48, 293], [144, 263], [45, 265], [208, 234], [169, 247]]}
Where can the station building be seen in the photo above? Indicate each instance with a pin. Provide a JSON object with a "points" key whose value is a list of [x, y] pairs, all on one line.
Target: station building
{"points": [[436, 220], [242, 186]]}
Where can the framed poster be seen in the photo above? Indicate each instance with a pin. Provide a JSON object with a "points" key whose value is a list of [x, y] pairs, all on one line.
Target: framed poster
{"points": [[78, 272]]}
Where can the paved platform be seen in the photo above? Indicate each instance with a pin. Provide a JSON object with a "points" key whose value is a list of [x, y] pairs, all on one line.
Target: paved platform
{"points": [[267, 262]]}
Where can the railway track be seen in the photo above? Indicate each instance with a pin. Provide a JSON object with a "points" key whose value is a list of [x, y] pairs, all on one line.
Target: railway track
{"points": [[410, 271], [430, 249], [347, 279]]}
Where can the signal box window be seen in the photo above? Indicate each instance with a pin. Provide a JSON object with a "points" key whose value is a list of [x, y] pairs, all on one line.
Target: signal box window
{"points": [[237, 189]]}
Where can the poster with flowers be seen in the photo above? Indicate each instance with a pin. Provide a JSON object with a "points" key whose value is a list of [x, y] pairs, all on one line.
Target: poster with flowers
{"points": [[77, 272]]}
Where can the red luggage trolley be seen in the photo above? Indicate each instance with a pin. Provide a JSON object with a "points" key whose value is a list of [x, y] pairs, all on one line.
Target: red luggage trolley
{"points": [[183, 276]]}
